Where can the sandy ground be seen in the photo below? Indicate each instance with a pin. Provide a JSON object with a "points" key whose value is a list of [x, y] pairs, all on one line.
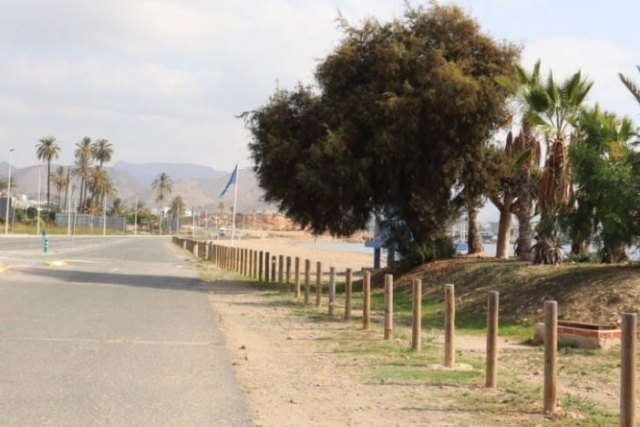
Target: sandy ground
{"points": [[293, 243], [291, 380]]}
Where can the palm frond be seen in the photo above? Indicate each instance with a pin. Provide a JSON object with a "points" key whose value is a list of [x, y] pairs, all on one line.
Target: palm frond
{"points": [[631, 86]]}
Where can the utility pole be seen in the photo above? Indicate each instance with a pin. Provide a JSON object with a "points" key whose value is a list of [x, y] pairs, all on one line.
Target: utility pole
{"points": [[135, 218], [6, 213], [38, 208], [104, 216]]}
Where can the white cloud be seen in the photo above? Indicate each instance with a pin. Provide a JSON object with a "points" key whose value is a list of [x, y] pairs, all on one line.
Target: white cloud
{"points": [[599, 61]]}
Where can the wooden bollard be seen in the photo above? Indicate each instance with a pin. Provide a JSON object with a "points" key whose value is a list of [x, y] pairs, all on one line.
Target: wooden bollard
{"points": [[628, 370], [332, 291], [267, 261], [260, 264], [492, 339], [550, 355], [366, 301], [242, 260], [307, 280], [288, 274], [281, 272], [388, 306], [416, 321], [348, 294], [318, 284], [297, 276], [255, 264], [449, 326], [273, 269]]}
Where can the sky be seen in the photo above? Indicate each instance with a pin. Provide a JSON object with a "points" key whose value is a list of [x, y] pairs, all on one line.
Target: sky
{"points": [[164, 81]]}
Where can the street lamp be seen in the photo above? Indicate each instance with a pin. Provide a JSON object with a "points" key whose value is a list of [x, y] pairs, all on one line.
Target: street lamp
{"points": [[6, 214]]}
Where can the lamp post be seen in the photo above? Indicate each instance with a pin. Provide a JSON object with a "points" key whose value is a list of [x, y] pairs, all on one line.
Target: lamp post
{"points": [[135, 218], [6, 213]]}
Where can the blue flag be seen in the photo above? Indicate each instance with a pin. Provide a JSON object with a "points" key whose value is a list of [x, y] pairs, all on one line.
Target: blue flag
{"points": [[232, 180]]}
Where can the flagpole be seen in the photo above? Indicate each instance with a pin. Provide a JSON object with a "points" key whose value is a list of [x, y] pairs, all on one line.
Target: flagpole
{"points": [[235, 202]]}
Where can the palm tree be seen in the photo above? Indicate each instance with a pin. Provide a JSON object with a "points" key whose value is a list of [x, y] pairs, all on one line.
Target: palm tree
{"points": [[177, 210], [635, 90], [102, 151], [552, 109], [101, 186], [48, 150], [163, 185], [61, 180], [117, 208], [84, 153], [523, 153]]}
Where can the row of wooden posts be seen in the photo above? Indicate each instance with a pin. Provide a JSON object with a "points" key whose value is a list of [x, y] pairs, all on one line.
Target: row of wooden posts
{"points": [[261, 266]]}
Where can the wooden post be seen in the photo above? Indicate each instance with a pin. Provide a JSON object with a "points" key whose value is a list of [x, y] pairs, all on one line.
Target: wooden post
{"points": [[492, 339], [297, 276], [273, 269], [628, 370], [348, 294], [388, 306], [255, 264], [318, 284], [449, 326], [307, 280], [288, 274], [206, 251], [416, 322], [550, 355], [250, 264], [242, 259], [267, 261], [332, 291], [281, 272], [366, 300], [260, 264]]}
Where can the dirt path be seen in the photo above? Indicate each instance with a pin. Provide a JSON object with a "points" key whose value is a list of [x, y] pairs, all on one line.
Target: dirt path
{"points": [[292, 374], [291, 380]]}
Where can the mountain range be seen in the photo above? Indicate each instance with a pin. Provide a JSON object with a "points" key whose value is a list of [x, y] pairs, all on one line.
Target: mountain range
{"points": [[199, 186]]}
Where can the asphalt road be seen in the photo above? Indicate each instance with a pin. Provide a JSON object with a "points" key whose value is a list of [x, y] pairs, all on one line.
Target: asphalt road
{"points": [[123, 334]]}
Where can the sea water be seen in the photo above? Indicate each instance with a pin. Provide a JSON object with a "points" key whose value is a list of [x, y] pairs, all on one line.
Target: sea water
{"points": [[489, 248]]}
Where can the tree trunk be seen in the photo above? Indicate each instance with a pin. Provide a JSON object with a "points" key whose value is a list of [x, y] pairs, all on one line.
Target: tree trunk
{"points": [[66, 190], [504, 228], [474, 239], [621, 253], [523, 243], [48, 185]]}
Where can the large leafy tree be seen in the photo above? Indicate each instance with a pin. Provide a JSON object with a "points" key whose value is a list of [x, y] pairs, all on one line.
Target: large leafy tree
{"points": [[400, 107], [48, 149], [606, 174]]}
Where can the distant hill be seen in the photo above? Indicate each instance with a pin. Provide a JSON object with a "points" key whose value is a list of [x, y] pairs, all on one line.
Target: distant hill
{"points": [[147, 172], [196, 191]]}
